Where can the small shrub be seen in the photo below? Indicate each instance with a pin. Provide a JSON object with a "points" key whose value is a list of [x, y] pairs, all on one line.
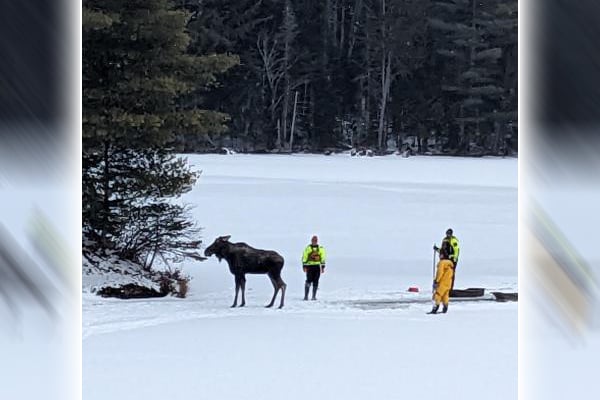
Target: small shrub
{"points": [[174, 282], [183, 288]]}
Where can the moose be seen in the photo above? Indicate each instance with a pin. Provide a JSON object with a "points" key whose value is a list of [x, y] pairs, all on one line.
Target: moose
{"points": [[243, 259]]}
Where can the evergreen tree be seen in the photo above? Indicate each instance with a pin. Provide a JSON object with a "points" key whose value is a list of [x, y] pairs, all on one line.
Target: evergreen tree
{"points": [[140, 95]]}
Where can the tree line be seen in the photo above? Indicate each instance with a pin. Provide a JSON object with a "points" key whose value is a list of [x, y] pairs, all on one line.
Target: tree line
{"points": [[316, 74]]}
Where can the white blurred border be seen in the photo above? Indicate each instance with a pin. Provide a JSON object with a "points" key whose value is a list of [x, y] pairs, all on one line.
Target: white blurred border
{"points": [[40, 187], [525, 86], [559, 194], [74, 101]]}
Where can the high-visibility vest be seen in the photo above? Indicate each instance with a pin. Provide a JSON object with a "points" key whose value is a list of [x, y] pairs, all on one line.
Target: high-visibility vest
{"points": [[454, 247], [313, 255]]}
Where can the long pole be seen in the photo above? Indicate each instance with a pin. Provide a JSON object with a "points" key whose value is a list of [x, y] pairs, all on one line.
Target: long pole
{"points": [[433, 275], [433, 266]]}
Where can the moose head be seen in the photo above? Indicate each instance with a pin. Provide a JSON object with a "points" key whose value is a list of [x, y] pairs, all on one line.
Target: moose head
{"points": [[217, 247]]}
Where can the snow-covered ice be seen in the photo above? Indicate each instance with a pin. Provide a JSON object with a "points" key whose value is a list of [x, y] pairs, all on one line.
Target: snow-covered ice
{"points": [[378, 219]]}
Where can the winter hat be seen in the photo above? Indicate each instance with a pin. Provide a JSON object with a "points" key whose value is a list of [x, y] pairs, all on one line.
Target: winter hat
{"points": [[314, 238]]}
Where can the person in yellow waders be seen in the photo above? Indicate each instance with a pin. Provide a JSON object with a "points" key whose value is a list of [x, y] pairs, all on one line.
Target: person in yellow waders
{"points": [[442, 283]]}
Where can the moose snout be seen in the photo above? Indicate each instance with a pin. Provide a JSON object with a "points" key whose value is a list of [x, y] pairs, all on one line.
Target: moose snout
{"points": [[208, 253]]}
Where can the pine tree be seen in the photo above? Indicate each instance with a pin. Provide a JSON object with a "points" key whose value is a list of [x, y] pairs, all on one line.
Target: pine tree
{"points": [[140, 95]]}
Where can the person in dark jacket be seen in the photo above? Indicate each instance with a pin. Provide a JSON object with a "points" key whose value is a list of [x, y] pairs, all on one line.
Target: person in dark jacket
{"points": [[452, 249]]}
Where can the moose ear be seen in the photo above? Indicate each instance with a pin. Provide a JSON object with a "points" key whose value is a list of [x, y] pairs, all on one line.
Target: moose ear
{"points": [[225, 238]]}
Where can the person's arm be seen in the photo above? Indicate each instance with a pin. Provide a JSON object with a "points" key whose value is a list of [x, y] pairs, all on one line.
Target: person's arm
{"points": [[323, 255], [305, 257], [436, 248]]}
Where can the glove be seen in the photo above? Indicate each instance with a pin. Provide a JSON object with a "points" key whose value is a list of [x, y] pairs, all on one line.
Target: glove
{"points": [[323, 268], [435, 247], [434, 286], [304, 269]]}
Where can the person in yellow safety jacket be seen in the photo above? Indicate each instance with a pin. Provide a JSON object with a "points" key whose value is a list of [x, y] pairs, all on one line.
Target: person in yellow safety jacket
{"points": [[450, 243], [442, 283], [313, 264]]}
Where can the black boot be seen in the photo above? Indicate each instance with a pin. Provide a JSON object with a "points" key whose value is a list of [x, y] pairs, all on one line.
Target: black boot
{"points": [[445, 308], [306, 287], [434, 310], [314, 292]]}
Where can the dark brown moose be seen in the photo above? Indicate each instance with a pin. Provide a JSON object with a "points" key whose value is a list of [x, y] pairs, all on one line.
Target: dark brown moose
{"points": [[243, 259]]}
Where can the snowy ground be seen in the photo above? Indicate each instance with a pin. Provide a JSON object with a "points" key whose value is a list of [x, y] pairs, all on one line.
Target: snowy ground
{"points": [[378, 219]]}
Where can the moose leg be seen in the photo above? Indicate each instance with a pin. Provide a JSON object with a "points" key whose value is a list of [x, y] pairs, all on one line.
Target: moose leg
{"points": [[243, 285], [237, 288], [275, 289], [282, 285]]}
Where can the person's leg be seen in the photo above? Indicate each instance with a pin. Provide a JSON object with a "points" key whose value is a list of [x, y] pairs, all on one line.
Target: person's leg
{"points": [[446, 301], [436, 303], [317, 272], [453, 274], [307, 283], [310, 280]]}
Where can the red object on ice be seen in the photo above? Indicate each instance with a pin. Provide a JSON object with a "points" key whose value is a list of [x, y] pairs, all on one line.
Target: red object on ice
{"points": [[413, 289]]}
